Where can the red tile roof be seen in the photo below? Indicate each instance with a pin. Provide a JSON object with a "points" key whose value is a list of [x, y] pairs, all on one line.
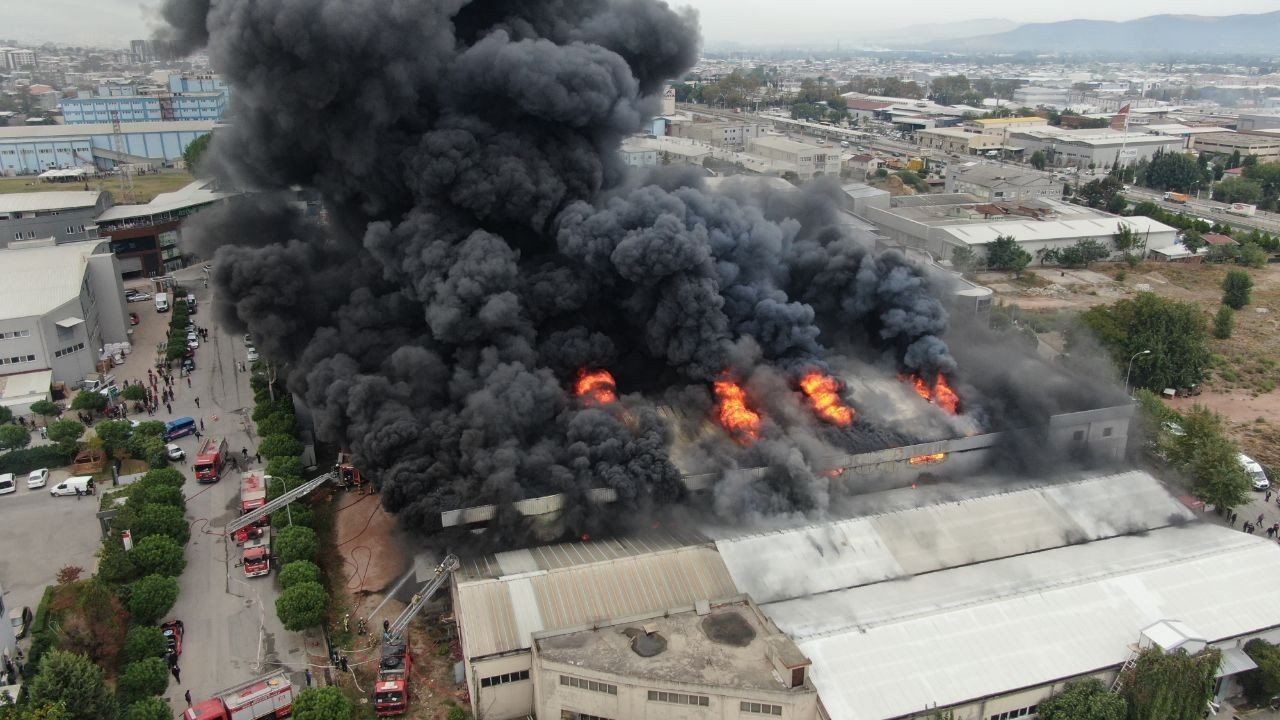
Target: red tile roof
{"points": [[858, 104], [1216, 239]]}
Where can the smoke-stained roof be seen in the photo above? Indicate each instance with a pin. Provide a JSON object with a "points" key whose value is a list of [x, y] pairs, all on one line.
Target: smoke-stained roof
{"points": [[499, 615], [1036, 618]]}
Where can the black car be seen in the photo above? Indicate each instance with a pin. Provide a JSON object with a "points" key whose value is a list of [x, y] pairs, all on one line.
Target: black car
{"points": [[188, 364], [21, 621]]}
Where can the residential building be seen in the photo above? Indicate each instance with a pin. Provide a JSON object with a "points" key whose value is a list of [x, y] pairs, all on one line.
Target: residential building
{"points": [[1085, 148], [141, 51], [958, 141], [718, 134], [147, 237], [64, 216], [16, 58], [806, 161], [1264, 146], [1001, 183], [60, 307], [638, 152], [860, 166], [43, 97], [33, 150]]}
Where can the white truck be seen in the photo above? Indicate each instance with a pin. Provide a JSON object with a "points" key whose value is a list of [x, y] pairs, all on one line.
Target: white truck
{"points": [[1244, 209], [162, 302]]}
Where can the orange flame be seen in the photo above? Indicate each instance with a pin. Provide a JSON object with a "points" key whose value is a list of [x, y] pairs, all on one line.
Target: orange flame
{"points": [[596, 387], [835, 472], [925, 459], [941, 394], [824, 397], [742, 422]]}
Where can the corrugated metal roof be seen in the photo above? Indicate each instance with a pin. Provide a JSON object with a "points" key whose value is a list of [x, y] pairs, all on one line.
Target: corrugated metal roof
{"points": [[54, 200], [37, 132], [1032, 231], [192, 195], [1036, 618], [35, 280], [499, 615]]}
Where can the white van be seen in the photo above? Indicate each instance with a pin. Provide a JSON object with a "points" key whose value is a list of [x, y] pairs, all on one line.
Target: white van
{"points": [[162, 302], [1257, 476], [7, 484], [83, 483]]}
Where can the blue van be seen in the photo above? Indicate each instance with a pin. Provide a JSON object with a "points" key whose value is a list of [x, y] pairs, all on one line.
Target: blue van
{"points": [[175, 429]]}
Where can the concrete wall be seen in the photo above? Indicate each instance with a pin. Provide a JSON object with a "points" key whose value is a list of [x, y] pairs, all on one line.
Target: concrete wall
{"points": [[78, 361], [506, 701], [14, 349], [110, 306], [68, 225]]}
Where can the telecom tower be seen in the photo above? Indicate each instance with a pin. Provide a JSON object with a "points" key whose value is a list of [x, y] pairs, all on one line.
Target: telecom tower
{"points": [[122, 168]]}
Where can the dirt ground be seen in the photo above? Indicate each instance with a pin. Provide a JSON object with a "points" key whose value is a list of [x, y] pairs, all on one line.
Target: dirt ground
{"points": [[1246, 367]]}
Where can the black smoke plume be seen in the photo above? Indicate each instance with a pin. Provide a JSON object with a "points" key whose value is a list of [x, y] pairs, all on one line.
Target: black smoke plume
{"points": [[481, 241]]}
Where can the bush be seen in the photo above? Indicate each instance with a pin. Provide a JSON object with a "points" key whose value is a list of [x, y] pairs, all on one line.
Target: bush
{"points": [[144, 493], [115, 564], [274, 446], [152, 708], [296, 543], [159, 555], [134, 393], [457, 713], [149, 428], [156, 519], [278, 424], [285, 467], [151, 597], [303, 606], [322, 703], [1223, 323], [145, 677], [92, 401], [297, 572], [144, 641], [21, 462], [75, 682], [1236, 288], [165, 476], [1263, 682]]}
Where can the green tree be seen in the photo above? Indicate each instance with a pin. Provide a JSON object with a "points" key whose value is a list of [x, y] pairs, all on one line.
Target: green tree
{"points": [[1083, 700], [949, 89], [142, 642], [149, 448], [115, 564], [1126, 239], [296, 543], [44, 409], [88, 400], [164, 476], [912, 180], [151, 597], [1038, 160], [274, 446], [286, 467], [1098, 193], [963, 258], [149, 676], [1252, 255], [1117, 204], [1205, 454], [14, 437], [278, 424], [114, 435], [1174, 332], [65, 432], [1263, 682], [302, 606], [1236, 289], [149, 428], [321, 703], [74, 682], [1223, 323], [1170, 686], [158, 519], [46, 711], [159, 555], [6, 415], [151, 708], [1192, 240], [1237, 190], [195, 153], [1083, 253], [1005, 254], [297, 572], [1173, 171], [134, 393]]}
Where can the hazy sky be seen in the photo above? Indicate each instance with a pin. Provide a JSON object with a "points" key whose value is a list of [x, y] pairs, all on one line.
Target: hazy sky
{"points": [[750, 22]]}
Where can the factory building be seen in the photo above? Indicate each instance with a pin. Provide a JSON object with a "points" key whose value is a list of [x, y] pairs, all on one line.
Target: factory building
{"points": [[1086, 148], [1257, 121], [60, 306], [146, 238], [1264, 146], [806, 161], [718, 134], [959, 141], [1000, 183], [1040, 96], [184, 98], [36, 149], [67, 216]]}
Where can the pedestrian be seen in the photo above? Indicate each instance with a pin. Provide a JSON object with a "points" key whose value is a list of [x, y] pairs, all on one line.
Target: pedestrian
{"points": [[168, 408], [201, 423], [344, 662], [187, 695], [258, 457], [306, 672], [197, 402], [1271, 531], [188, 381], [77, 493], [244, 453], [1268, 498], [1259, 519], [197, 434], [177, 673]]}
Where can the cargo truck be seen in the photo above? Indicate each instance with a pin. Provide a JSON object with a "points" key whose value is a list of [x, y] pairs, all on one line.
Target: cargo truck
{"points": [[270, 696], [1244, 209], [1176, 197]]}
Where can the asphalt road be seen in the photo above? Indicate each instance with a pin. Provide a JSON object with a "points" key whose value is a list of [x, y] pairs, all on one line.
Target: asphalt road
{"points": [[34, 554], [232, 632]]}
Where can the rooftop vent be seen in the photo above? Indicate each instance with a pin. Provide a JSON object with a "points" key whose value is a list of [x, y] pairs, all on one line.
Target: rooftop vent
{"points": [[728, 628], [647, 642]]}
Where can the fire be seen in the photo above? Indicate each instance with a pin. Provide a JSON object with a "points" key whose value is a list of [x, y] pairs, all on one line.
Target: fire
{"points": [[596, 387], [742, 422], [927, 459], [834, 472], [941, 394], [824, 397]]}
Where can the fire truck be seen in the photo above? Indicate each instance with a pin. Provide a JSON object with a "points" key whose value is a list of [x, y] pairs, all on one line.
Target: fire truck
{"points": [[256, 557], [348, 474], [253, 495], [210, 460], [391, 691], [270, 696]]}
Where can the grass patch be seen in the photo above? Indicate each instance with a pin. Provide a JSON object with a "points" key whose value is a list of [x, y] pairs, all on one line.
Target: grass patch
{"points": [[145, 187]]}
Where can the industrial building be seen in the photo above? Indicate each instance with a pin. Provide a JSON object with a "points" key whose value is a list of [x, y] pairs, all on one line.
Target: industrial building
{"points": [[1040, 96], [61, 306], [717, 134], [146, 237], [186, 97], [938, 224], [65, 216], [1000, 183], [1264, 146], [1257, 121], [1002, 126], [806, 161], [959, 141], [33, 150], [1091, 148]]}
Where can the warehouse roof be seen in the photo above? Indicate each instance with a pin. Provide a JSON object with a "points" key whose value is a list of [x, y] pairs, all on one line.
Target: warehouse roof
{"points": [[500, 615], [994, 175], [36, 132], [1237, 139], [192, 195], [1037, 618], [832, 556], [784, 145], [39, 276], [56, 200], [1045, 230]]}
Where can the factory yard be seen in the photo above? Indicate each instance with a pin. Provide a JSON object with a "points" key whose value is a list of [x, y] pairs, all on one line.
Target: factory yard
{"points": [[145, 187]]}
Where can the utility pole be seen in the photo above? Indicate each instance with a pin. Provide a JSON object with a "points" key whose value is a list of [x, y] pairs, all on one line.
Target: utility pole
{"points": [[122, 168]]}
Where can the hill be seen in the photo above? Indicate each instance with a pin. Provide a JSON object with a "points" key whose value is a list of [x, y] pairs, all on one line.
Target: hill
{"points": [[1251, 33]]}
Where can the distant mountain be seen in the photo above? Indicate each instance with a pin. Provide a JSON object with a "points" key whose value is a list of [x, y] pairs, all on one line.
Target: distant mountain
{"points": [[1255, 33], [915, 35]]}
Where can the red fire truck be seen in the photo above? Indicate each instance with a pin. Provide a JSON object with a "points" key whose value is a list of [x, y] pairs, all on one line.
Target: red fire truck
{"points": [[210, 460], [256, 557], [253, 495], [270, 696], [348, 474], [391, 690]]}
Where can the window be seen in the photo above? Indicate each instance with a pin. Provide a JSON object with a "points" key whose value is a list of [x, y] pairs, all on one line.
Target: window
{"points": [[68, 350], [571, 715], [14, 334], [1020, 712], [504, 679], [679, 698], [16, 359], [1106, 432], [760, 708], [592, 685], [1078, 436]]}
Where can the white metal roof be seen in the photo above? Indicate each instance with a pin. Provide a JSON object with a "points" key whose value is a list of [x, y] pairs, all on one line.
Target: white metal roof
{"points": [[907, 645], [832, 556], [1045, 230], [25, 388], [35, 280], [36, 132], [54, 200], [192, 195]]}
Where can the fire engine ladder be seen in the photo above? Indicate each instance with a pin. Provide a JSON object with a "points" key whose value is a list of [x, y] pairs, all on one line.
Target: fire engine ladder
{"points": [[1128, 665], [394, 634], [253, 516]]}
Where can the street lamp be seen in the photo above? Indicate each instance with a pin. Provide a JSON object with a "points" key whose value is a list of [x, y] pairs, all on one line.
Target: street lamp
{"points": [[1130, 370]]}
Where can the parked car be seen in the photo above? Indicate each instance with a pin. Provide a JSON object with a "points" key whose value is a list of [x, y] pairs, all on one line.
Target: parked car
{"points": [[136, 296], [173, 632], [83, 483], [20, 619], [174, 452], [252, 355], [37, 478], [193, 344], [1257, 476], [248, 340], [7, 484], [134, 319], [188, 364]]}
